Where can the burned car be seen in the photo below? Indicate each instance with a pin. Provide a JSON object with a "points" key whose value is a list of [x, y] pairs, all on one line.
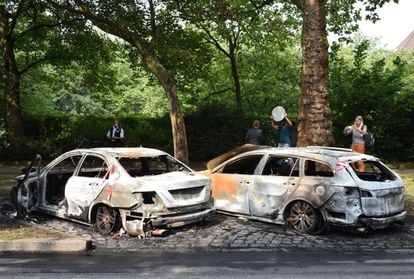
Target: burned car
{"points": [[139, 188], [307, 188]]}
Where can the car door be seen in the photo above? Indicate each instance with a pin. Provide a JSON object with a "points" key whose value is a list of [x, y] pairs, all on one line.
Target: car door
{"points": [[231, 183], [27, 192], [273, 187], [315, 182], [54, 180], [82, 189]]}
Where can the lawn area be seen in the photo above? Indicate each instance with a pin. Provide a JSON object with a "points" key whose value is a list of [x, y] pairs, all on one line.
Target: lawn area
{"points": [[409, 191], [7, 181], [7, 233]]}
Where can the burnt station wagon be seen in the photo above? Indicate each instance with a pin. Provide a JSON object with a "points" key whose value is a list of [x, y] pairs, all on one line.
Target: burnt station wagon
{"points": [[139, 188], [307, 188]]}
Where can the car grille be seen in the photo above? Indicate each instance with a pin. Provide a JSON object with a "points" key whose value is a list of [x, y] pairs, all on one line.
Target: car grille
{"points": [[188, 193]]}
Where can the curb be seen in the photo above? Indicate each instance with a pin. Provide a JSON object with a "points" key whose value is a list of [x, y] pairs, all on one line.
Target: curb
{"points": [[46, 245]]}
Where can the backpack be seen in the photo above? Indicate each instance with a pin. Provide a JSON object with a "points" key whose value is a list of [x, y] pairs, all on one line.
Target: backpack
{"points": [[369, 140]]}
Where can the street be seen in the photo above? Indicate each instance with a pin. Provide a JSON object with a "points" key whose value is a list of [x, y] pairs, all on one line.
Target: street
{"points": [[285, 264]]}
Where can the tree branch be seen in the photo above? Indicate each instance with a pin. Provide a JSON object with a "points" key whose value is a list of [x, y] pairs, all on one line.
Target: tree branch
{"points": [[213, 41], [104, 24], [32, 65], [51, 25], [220, 91], [153, 23]]}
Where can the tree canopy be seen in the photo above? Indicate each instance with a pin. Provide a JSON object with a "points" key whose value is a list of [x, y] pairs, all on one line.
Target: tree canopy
{"points": [[160, 59]]}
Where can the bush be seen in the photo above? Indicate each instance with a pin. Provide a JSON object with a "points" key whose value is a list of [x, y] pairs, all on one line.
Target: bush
{"points": [[210, 132], [51, 135]]}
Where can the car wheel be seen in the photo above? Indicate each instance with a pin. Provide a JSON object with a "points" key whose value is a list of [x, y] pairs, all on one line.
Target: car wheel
{"points": [[107, 219], [305, 218]]}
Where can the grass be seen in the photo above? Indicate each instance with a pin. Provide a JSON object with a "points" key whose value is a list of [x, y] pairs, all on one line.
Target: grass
{"points": [[7, 181], [28, 232], [409, 191]]}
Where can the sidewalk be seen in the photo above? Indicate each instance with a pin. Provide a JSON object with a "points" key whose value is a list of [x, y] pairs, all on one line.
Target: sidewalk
{"points": [[67, 243], [46, 245], [15, 168]]}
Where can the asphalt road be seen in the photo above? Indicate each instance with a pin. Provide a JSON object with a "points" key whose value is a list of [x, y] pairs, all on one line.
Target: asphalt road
{"points": [[276, 264]]}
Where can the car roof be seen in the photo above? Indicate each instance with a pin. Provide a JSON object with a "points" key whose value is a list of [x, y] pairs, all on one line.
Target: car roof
{"points": [[321, 153], [124, 151], [330, 154]]}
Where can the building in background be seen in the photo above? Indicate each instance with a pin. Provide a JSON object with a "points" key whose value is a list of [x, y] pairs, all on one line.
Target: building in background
{"points": [[408, 43]]}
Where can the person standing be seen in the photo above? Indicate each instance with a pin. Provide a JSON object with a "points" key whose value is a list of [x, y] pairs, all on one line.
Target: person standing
{"points": [[254, 134], [358, 130], [285, 128], [116, 134]]}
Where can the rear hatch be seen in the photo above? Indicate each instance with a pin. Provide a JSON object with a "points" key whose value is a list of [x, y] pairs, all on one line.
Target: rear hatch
{"points": [[177, 189], [382, 190]]}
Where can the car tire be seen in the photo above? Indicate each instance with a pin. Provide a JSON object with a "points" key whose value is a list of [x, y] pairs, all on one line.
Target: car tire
{"points": [[303, 217], [106, 220]]}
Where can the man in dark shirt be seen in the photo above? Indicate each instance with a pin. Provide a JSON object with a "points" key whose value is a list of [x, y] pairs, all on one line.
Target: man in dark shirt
{"points": [[116, 134], [254, 135]]}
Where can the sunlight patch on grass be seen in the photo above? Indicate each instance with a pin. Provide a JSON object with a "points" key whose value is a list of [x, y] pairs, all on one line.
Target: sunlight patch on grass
{"points": [[409, 191], [28, 232]]}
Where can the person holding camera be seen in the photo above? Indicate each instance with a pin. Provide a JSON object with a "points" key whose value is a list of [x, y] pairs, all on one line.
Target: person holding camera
{"points": [[358, 130]]}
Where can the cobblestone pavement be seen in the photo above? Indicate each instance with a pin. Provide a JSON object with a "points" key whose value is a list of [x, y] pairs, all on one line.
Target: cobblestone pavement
{"points": [[227, 233]]}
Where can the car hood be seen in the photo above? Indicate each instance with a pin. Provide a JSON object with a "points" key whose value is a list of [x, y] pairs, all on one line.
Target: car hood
{"points": [[171, 180]]}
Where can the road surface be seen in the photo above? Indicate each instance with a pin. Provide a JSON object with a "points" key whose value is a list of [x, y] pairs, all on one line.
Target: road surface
{"points": [[276, 264]]}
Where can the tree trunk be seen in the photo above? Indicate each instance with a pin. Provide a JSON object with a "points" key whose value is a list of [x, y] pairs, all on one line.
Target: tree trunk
{"points": [[177, 121], [152, 63], [315, 127], [236, 78], [11, 78]]}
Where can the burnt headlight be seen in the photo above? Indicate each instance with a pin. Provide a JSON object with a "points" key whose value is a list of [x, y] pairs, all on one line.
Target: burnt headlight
{"points": [[366, 194], [148, 197]]}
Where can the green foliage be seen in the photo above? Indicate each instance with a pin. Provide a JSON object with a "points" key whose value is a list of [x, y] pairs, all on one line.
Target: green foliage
{"points": [[70, 100], [52, 134], [373, 86], [211, 131]]}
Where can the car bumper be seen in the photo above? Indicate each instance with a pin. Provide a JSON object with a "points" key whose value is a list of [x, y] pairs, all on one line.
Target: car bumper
{"points": [[181, 220], [382, 222]]}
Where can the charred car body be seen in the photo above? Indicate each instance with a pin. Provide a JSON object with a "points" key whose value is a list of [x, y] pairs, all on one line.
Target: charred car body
{"points": [[138, 188], [307, 188]]}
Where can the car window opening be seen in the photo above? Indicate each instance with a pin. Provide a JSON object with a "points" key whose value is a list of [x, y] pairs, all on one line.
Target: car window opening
{"points": [[57, 177], [314, 168], [142, 166], [246, 165], [373, 171], [93, 166], [281, 166]]}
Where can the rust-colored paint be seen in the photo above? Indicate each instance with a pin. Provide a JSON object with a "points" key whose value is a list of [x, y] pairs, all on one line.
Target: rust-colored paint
{"points": [[223, 185]]}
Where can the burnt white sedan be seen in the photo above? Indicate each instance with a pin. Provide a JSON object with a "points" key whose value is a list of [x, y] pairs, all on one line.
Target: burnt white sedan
{"points": [[307, 188], [140, 189]]}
